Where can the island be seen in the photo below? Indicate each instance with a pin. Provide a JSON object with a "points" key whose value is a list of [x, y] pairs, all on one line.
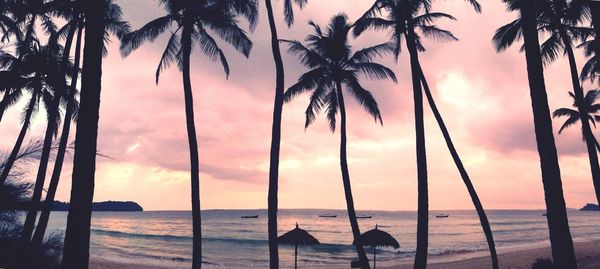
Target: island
{"points": [[590, 207], [115, 206]]}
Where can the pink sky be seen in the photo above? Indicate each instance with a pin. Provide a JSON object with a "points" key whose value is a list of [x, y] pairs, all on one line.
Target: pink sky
{"points": [[483, 96]]}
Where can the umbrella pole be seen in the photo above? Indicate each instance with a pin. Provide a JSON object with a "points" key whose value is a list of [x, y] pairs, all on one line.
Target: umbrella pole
{"points": [[296, 256], [374, 257]]}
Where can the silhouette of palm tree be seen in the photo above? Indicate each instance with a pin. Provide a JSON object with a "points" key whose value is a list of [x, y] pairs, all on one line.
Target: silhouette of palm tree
{"points": [[195, 22], [591, 69], [333, 65], [526, 26], [276, 127], [51, 64], [405, 18], [97, 26], [573, 115], [73, 13], [559, 21], [28, 77], [8, 29]]}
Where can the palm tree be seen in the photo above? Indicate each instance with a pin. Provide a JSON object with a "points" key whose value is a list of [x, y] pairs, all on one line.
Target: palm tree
{"points": [[29, 77], [72, 12], [71, 108], [8, 29], [276, 128], [192, 21], [333, 65], [573, 116], [404, 18], [559, 21], [558, 224], [591, 69], [77, 235], [54, 70]]}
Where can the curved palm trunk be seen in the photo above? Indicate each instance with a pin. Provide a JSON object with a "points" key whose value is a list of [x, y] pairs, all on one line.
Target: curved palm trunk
{"points": [[186, 44], [585, 124], [41, 175], [275, 142], [17, 147], [40, 230], [485, 224], [77, 235], [423, 198], [3, 102], [560, 237], [362, 255]]}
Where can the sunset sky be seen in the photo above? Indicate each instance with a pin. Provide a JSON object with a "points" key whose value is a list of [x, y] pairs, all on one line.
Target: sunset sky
{"points": [[483, 96]]}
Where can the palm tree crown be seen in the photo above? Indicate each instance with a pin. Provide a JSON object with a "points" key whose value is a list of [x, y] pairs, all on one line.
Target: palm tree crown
{"points": [[399, 16], [557, 19], [573, 115], [330, 57], [204, 20]]}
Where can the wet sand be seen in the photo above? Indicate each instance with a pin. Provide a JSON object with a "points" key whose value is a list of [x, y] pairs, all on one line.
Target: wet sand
{"points": [[588, 257]]}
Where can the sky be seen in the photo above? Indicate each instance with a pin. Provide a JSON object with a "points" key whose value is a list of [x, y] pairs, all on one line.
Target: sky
{"points": [[483, 96]]}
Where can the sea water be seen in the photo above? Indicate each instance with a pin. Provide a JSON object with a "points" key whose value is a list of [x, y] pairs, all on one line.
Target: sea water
{"points": [[229, 241]]}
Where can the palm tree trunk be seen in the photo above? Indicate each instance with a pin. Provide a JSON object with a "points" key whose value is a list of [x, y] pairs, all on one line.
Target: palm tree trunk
{"points": [[3, 103], [40, 230], [560, 237], [77, 234], [34, 204], [362, 255], [17, 147], [595, 10], [485, 224], [585, 124], [423, 198], [186, 43], [275, 142]]}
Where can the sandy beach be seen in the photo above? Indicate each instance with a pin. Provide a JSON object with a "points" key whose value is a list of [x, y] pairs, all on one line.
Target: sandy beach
{"points": [[588, 257]]}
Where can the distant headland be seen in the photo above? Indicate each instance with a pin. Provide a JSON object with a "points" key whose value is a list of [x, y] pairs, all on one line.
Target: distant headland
{"points": [[119, 206], [590, 207]]}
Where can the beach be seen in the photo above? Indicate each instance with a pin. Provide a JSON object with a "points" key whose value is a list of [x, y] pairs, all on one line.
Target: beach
{"points": [[588, 257], [162, 239]]}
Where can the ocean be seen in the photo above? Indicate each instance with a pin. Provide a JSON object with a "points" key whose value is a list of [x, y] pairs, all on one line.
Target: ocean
{"points": [[229, 241]]}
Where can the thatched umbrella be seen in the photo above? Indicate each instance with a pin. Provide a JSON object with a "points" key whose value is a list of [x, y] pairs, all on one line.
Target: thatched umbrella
{"points": [[297, 237], [375, 238]]}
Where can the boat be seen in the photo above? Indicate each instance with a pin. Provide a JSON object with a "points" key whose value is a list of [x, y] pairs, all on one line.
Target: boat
{"points": [[250, 217], [442, 216], [364, 217], [327, 216]]}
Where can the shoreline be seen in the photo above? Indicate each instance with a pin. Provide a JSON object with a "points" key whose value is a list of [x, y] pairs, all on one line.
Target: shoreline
{"points": [[587, 252], [588, 257]]}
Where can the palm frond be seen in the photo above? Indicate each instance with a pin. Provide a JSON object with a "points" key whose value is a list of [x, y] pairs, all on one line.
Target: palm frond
{"points": [[170, 54], [565, 112], [369, 54], [211, 49], [308, 57], [506, 35], [331, 101], [307, 81], [437, 33], [363, 97], [375, 71], [148, 32]]}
